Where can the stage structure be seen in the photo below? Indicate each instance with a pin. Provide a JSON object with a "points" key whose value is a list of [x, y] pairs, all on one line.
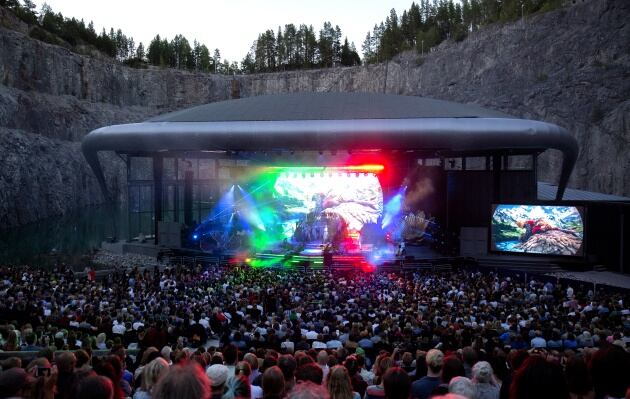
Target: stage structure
{"points": [[358, 175]]}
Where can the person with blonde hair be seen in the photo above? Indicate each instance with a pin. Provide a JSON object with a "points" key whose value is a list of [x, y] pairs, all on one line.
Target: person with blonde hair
{"points": [[339, 384], [186, 381], [423, 387], [151, 374]]}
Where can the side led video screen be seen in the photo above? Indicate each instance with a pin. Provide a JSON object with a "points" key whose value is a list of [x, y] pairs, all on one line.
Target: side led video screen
{"points": [[538, 229]]}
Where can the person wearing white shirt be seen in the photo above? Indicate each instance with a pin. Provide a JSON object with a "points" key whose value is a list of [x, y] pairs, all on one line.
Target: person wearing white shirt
{"points": [[118, 328]]}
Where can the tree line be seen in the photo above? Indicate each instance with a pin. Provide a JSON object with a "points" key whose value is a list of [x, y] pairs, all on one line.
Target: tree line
{"points": [[54, 28], [423, 26], [426, 24], [299, 47]]}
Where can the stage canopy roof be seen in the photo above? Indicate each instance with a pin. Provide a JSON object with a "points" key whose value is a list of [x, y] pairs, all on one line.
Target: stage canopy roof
{"points": [[333, 121]]}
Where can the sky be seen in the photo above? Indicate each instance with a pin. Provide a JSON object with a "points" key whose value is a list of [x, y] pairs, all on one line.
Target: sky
{"points": [[230, 25]]}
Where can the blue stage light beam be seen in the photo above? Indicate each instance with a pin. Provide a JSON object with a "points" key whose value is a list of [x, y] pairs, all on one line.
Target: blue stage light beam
{"points": [[393, 207], [249, 211]]}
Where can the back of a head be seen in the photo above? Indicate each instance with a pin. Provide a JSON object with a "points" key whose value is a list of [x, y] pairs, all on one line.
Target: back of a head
{"points": [[309, 372], [95, 387], [453, 367], [351, 365], [609, 368], [338, 382], [152, 373], [66, 362], [288, 365], [397, 383], [435, 360], [237, 387], [469, 355], [273, 382], [579, 380], [322, 357], [482, 372], [462, 386], [540, 379], [183, 382], [308, 390], [230, 354], [252, 360]]}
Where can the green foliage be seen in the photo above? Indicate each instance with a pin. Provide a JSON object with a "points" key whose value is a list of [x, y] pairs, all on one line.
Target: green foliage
{"points": [[505, 232], [54, 28], [433, 21], [296, 47]]}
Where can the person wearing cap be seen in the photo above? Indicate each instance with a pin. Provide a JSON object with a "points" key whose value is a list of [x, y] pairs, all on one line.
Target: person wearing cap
{"points": [[483, 381], [218, 374], [422, 388]]}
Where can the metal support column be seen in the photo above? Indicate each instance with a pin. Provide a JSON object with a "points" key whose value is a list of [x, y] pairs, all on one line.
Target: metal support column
{"points": [[158, 171], [496, 178]]}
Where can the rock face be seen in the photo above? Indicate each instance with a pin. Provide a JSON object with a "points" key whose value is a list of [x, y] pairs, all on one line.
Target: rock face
{"points": [[570, 67]]}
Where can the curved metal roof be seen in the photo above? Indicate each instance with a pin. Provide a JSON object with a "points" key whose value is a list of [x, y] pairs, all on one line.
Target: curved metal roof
{"points": [[333, 121], [327, 106]]}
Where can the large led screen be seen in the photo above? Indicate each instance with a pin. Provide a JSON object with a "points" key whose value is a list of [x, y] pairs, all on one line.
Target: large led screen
{"points": [[288, 209], [538, 229]]}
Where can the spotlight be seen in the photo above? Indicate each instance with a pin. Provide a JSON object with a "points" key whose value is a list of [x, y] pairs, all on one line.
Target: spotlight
{"points": [[195, 236]]}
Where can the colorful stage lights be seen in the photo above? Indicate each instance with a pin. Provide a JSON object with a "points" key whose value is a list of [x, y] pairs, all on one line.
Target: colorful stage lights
{"points": [[311, 170]]}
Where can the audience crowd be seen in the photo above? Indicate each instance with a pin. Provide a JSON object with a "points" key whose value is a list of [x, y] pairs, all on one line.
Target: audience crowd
{"points": [[242, 332]]}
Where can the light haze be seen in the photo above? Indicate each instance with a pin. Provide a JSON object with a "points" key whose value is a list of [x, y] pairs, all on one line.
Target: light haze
{"points": [[230, 25]]}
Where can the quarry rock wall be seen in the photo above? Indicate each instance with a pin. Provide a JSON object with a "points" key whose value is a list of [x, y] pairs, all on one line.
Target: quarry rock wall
{"points": [[570, 67]]}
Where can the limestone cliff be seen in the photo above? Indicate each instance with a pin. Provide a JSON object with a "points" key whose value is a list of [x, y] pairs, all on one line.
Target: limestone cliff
{"points": [[570, 67]]}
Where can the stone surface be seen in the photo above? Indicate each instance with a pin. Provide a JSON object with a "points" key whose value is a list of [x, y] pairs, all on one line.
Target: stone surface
{"points": [[570, 67]]}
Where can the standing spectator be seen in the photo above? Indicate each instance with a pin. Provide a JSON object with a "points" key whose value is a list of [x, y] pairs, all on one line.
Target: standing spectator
{"points": [[609, 369], [243, 369], [540, 379], [95, 387], [151, 375], [422, 388], [358, 384], [183, 382], [322, 361], [579, 379], [218, 375], [237, 387], [339, 384], [396, 383], [462, 386], [484, 385], [273, 383]]}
